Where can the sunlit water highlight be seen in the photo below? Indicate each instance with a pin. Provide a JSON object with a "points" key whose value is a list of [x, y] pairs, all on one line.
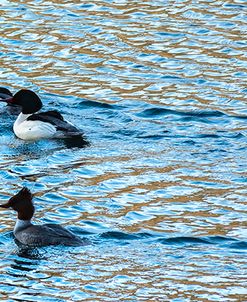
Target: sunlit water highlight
{"points": [[159, 89]]}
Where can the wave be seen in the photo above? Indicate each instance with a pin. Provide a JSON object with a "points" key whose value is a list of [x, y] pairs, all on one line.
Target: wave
{"points": [[222, 241]]}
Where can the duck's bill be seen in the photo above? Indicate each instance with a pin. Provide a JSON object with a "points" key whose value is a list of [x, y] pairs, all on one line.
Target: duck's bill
{"points": [[5, 205], [7, 100]]}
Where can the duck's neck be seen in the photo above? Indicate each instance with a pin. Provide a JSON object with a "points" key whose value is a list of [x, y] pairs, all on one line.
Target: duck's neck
{"points": [[21, 118], [21, 225]]}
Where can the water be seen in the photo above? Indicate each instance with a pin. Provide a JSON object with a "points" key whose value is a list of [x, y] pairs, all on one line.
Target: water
{"points": [[159, 89]]}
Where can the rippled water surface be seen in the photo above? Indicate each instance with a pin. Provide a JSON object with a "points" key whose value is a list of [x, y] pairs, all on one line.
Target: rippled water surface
{"points": [[159, 89]]}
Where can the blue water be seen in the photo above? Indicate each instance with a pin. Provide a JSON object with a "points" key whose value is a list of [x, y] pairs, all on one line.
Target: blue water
{"points": [[159, 193]]}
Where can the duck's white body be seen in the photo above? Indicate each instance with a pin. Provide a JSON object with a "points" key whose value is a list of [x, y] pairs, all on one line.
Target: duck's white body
{"points": [[33, 130], [34, 125]]}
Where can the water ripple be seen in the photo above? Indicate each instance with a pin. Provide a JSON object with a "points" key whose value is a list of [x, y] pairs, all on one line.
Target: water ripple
{"points": [[159, 90]]}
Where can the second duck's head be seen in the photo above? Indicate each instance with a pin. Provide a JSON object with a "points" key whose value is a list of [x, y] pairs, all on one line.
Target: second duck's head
{"points": [[21, 203]]}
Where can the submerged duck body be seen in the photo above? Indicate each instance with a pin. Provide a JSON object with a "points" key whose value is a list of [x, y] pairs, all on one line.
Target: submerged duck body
{"points": [[5, 93], [37, 235], [32, 125], [6, 96]]}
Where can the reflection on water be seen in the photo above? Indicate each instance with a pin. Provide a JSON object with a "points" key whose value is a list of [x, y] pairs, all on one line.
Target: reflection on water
{"points": [[159, 188]]}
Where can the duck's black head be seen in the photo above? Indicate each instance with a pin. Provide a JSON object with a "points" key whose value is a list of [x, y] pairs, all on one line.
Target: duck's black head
{"points": [[28, 100], [21, 203]]}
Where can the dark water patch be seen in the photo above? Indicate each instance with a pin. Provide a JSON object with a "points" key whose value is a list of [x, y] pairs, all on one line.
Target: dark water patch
{"points": [[86, 6], [119, 236], [23, 266], [208, 136], [152, 136], [122, 236], [30, 176], [93, 226], [191, 138], [170, 34], [232, 6], [220, 239], [169, 77], [158, 135], [242, 245], [149, 238], [189, 142], [87, 104], [126, 132], [217, 151], [239, 117], [183, 240], [76, 142], [81, 232], [220, 134], [191, 118], [152, 112], [236, 135]]}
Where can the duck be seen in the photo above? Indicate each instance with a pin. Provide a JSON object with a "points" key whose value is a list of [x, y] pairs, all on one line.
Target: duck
{"points": [[5, 93], [33, 125], [28, 234]]}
